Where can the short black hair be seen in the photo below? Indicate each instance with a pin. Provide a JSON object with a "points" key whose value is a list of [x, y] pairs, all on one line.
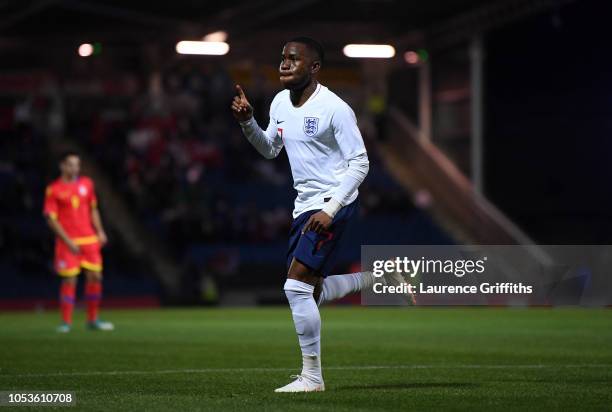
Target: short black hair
{"points": [[66, 154], [312, 44]]}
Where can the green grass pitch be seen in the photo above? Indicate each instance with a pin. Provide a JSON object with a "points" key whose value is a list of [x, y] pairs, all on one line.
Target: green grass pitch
{"points": [[375, 359]]}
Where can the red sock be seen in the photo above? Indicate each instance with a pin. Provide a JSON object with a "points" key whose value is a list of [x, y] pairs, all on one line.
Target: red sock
{"points": [[67, 292], [93, 295]]}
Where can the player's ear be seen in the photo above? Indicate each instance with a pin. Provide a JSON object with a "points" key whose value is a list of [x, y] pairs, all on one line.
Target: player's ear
{"points": [[316, 66]]}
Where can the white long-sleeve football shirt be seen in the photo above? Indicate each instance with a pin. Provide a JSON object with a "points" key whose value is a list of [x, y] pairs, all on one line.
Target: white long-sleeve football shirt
{"points": [[326, 151]]}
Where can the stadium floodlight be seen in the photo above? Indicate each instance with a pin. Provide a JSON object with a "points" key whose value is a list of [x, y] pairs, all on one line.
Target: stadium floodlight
{"points": [[86, 49], [212, 48], [216, 36], [374, 51]]}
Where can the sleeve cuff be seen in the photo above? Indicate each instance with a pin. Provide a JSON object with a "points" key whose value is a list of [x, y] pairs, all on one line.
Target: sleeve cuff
{"points": [[247, 122], [332, 207]]}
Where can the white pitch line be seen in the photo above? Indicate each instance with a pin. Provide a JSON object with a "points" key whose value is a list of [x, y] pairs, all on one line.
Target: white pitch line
{"points": [[349, 368]]}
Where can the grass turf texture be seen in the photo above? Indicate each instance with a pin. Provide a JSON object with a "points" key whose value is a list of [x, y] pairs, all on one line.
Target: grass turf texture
{"points": [[374, 359]]}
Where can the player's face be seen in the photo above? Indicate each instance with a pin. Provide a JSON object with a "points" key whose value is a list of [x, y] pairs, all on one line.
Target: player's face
{"points": [[70, 167], [297, 66]]}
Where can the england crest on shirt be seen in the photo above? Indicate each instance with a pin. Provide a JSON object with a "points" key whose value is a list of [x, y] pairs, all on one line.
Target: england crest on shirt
{"points": [[82, 190], [311, 125]]}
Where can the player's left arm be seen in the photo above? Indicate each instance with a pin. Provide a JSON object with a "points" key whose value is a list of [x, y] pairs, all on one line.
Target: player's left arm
{"points": [[96, 220], [354, 152]]}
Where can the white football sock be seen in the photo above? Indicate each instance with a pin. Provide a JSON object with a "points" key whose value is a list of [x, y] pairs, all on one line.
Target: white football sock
{"points": [[338, 286], [307, 325], [311, 368]]}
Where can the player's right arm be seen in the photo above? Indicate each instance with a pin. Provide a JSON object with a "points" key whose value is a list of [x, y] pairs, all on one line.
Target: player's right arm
{"points": [[50, 212], [267, 142], [57, 228]]}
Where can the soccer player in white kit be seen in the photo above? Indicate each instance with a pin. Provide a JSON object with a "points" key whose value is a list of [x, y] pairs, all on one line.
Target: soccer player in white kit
{"points": [[328, 162]]}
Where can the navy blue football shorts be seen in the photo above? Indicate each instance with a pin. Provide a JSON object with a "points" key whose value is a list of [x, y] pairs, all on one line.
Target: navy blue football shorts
{"points": [[318, 251]]}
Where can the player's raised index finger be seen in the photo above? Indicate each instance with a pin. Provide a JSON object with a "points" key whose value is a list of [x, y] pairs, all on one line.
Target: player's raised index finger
{"points": [[240, 92]]}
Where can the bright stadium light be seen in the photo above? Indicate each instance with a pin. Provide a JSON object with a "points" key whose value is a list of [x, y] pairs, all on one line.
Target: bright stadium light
{"points": [[375, 51], [216, 36], [86, 50], [213, 48]]}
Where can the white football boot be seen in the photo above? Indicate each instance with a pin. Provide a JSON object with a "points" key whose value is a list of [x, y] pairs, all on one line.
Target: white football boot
{"points": [[100, 325], [311, 378], [302, 384]]}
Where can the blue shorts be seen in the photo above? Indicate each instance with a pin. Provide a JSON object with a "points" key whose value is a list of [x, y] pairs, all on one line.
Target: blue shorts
{"points": [[319, 251]]}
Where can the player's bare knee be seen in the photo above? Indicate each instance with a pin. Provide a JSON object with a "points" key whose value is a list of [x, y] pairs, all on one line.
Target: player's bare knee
{"points": [[301, 272], [70, 280], [93, 276]]}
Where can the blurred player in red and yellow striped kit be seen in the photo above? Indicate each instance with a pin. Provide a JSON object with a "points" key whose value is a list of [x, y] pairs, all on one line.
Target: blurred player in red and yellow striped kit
{"points": [[71, 212]]}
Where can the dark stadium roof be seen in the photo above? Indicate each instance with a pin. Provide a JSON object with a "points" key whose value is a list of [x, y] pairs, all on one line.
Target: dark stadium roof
{"points": [[35, 32], [150, 20]]}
